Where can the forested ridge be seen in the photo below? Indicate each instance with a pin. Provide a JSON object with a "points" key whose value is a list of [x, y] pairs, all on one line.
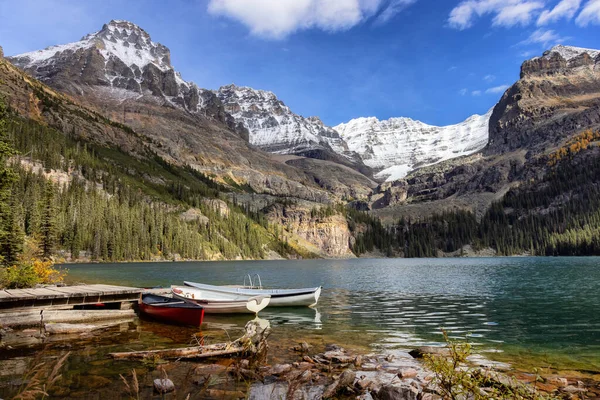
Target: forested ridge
{"points": [[558, 215], [117, 207]]}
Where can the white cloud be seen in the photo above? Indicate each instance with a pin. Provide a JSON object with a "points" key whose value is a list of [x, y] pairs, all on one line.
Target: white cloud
{"points": [[590, 14], [393, 8], [544, 37], [277, 19], [528, 53], [476, 92], [506, 13], [564, 9], [463, 92], [489, 78], [497, 89]]}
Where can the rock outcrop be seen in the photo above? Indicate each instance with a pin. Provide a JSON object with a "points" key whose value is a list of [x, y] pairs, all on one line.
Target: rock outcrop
{"points": [[329, 235], [558, 95]]}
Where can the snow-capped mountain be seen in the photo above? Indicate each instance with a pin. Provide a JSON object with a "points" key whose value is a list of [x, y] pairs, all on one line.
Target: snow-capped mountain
{"points": [[397, 146], [570, 52], [121, 62], [273, 126]]}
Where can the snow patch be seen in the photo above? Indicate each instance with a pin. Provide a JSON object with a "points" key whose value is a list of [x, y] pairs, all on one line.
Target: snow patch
{"points": [[570, 52]]}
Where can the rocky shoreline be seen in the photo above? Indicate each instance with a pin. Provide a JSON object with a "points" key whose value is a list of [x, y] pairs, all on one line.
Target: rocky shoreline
{"points": [[337, 373]]}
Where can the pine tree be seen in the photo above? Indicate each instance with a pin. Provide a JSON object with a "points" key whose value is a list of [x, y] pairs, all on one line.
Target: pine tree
{"points": [[48, 228], [7, 178]]}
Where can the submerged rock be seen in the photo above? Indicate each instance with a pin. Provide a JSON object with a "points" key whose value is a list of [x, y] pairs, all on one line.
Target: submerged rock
{"points": [[164, 385]]}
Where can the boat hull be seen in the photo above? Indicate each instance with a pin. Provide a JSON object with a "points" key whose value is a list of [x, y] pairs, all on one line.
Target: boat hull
{"points": [[171, 312], [308, 297], [222, 305]]}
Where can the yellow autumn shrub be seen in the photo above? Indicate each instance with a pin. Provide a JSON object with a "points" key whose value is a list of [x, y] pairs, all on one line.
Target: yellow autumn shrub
{"points": [[29, 273]]}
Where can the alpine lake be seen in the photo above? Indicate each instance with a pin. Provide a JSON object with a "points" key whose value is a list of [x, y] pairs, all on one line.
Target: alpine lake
{"points": [[531, 312]]}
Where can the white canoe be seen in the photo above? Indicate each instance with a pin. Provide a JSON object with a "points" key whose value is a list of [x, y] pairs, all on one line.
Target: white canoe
{"points": [[279, 297], [222, 303]]}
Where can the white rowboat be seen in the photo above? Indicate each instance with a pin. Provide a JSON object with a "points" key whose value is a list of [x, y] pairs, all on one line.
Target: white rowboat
{"points": [[279, 297], [222, 303]]}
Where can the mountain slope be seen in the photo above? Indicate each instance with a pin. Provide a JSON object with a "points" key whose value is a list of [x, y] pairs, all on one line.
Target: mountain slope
{"points": [[397, 146], [125, 76], [274, 128], [556, 98]]}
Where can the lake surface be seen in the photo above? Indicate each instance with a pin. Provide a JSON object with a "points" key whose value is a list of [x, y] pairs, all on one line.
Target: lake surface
{"points": [[529, 311]]}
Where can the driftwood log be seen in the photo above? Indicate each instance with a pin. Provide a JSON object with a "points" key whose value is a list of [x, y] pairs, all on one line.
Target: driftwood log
{"points": [[253, 342]]}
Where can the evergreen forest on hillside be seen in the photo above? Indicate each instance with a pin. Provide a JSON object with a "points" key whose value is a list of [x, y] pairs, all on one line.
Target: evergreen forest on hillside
{"points": [[556, 216], [115, 207]]}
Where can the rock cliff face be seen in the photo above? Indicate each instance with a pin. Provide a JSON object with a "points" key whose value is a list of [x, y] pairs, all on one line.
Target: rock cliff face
{"points": [[327, 236], [558, 95], [395, 147], [274, 128]]}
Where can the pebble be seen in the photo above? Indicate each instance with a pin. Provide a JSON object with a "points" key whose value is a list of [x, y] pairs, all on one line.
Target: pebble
{"points": [[405, 373], [281, 369], [164, 385]]}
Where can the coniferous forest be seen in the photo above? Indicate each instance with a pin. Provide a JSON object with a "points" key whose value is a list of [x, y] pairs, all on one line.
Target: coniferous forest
{"points": [[76, 198], [556, 216], [95, 202]]}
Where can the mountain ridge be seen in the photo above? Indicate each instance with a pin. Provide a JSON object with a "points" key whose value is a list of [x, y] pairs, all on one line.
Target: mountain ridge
{"points": [[383, 144]]}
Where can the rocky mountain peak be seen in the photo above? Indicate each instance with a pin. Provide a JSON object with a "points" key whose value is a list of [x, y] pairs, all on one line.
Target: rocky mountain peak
{"points": [[118, 41], [132, 45], [119, 63], [560, 60], [275, 128], [558, 94]]}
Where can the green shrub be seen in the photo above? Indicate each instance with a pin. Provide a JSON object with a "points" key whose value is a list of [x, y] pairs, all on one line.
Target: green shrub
{"points": [[455, 379]]}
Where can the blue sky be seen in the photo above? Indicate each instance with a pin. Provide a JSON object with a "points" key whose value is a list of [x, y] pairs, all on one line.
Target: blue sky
{"points": [[438, 61]]}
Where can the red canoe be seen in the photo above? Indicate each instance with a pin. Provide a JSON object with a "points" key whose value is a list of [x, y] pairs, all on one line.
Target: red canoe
{"points": [[167, 309]]}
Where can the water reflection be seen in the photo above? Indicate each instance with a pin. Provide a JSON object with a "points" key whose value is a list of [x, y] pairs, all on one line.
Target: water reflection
{"points": [[543, 305]]}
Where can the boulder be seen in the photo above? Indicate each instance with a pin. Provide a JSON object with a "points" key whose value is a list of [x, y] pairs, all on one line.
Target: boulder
{"points": [[393, 392], [346, 379]]}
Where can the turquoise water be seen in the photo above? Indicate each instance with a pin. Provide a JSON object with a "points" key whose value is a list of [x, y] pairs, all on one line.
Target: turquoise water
{"points": [[520, 309]]}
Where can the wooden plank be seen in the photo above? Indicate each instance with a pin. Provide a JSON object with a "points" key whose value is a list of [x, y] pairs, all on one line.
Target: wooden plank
{"points": [[113, 288], [4, 294], [54, 296], [75, 290], [44, 293], [18, 293]]}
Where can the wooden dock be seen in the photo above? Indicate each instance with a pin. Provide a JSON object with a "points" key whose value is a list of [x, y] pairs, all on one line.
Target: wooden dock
{"points": [[66, 296]]}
